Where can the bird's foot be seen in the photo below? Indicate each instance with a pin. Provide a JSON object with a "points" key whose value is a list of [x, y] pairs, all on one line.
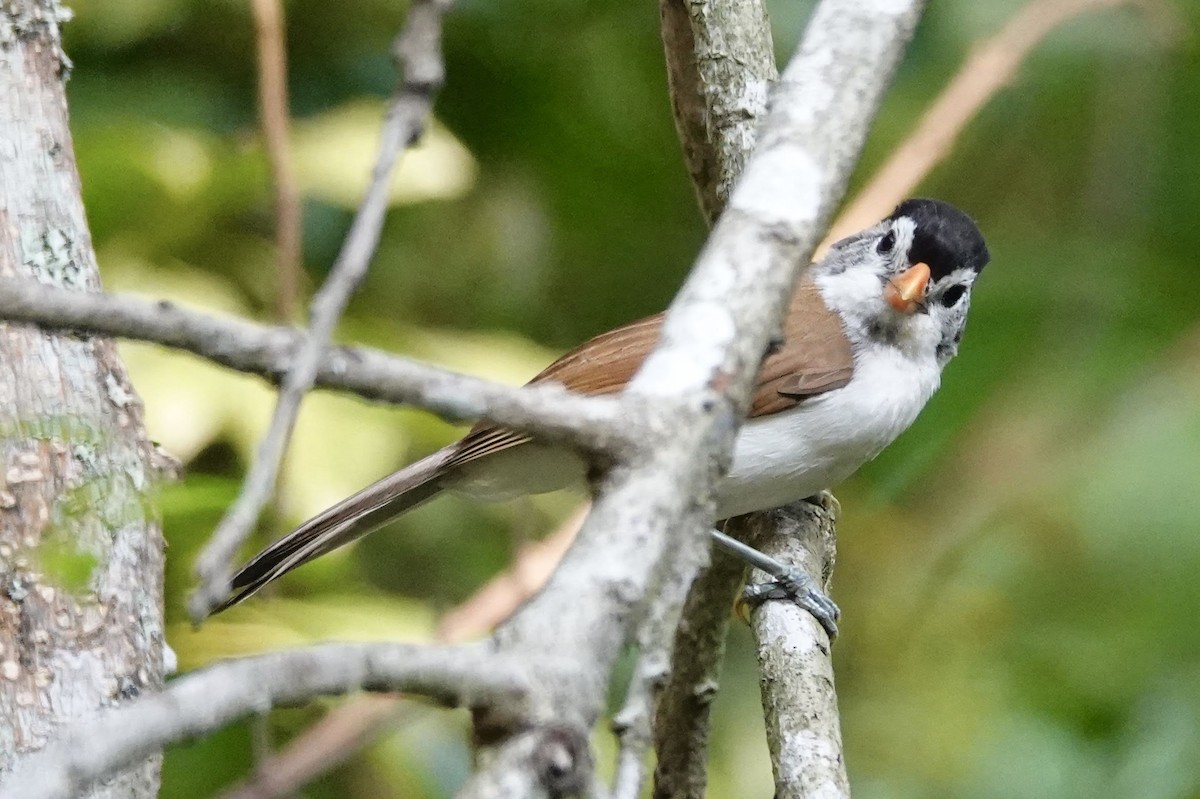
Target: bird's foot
{"points": [[789, 583], [797, 586]]}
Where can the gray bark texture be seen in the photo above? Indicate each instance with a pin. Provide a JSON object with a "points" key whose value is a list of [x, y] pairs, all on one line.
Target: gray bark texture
{"points": [[720, 68], [81, 553], [799, 698]]}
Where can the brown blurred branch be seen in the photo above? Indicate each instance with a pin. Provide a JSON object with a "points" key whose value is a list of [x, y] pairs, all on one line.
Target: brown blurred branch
{"points": [[340, 733], [496, 599], [991, 65], [418, 51], [273, 112]]}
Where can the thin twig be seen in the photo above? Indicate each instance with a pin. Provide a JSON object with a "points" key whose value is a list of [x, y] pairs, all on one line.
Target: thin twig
{"points": [[418, 50], [273, 113], [592, 423], [991, 65], [204, 701]]}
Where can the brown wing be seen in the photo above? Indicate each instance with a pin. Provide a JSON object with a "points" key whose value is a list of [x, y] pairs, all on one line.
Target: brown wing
{"points": [[815, 357]]}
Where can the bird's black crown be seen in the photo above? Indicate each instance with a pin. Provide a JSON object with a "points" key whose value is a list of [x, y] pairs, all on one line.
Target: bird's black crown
{"points": [[946, 239]]}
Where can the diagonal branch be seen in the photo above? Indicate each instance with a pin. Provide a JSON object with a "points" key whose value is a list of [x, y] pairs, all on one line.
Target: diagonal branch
{"points": [[418, 49], [591, 423], [347, 728], [466, 676]]}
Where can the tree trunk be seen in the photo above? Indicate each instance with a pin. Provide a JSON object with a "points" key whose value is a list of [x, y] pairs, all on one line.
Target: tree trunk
{"points": [[81, 550]]}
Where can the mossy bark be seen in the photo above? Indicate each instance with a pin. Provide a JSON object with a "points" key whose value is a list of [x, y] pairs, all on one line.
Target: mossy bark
{"points": [[81, 550]]}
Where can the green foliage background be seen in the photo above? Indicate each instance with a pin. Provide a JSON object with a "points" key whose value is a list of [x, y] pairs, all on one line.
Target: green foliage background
{"points": [[1018, 573]]}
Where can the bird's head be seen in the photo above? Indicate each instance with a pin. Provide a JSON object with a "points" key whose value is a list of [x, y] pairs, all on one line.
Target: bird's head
{"points": [[908, 279]]}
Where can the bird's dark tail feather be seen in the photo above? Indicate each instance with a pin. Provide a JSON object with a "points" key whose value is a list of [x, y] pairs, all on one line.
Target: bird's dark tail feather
{"points": [[349, 520]]}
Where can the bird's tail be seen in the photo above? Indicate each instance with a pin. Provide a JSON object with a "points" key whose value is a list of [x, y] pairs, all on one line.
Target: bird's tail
{"points": [[348, 520]]}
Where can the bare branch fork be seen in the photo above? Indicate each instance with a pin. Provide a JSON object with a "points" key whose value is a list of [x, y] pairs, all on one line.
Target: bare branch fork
{"points": [[685, 404]]}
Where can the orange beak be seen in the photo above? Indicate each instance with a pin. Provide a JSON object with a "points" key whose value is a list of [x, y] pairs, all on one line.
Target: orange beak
{"points": [[905, 291]]}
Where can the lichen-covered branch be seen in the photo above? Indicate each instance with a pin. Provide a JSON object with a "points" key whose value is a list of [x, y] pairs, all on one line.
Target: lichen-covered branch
{"points": [[720, 65], [271, 47], [633, 725], [681, 724], [720, 68], [798, 694]]}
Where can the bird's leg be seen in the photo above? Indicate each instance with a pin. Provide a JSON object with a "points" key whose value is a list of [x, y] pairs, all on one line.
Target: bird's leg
{"points": [[789, 583]]}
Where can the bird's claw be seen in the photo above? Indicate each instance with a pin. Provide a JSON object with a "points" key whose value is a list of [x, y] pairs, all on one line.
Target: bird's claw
{"points": [[801, 589], [827, 502]]}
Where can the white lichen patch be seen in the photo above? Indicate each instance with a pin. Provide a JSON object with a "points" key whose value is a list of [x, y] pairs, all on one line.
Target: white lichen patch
{"points": [[117, 393], [698, 334], [781, 186], [48, 256], [18, 473]]}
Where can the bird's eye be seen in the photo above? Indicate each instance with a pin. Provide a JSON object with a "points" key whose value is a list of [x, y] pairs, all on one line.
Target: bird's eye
{"points": [[952, 295], [887, 243]]}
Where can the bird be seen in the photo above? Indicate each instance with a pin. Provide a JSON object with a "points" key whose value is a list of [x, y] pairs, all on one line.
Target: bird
{"points": [[867, 332]]}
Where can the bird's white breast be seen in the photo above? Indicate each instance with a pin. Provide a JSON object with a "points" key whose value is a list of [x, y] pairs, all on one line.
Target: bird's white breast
{"points": [[796, 453]]}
